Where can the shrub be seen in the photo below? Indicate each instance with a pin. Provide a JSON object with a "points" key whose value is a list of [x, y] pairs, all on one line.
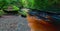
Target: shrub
{"points": [[1, 12]]}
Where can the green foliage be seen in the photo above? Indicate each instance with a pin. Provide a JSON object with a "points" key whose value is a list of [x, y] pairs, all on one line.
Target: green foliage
{"points": [[5, 3], [1, 12], [15, 7], [39, 4]]}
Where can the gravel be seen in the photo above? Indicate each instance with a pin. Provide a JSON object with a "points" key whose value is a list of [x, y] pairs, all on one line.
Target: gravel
{"points": [[13, 23]]}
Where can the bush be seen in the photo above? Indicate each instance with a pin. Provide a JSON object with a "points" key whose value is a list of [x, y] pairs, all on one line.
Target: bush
{"points": [[1, 12]]}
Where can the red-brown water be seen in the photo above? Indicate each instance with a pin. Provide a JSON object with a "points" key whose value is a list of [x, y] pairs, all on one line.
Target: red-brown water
{"points": [[40, 25]]}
